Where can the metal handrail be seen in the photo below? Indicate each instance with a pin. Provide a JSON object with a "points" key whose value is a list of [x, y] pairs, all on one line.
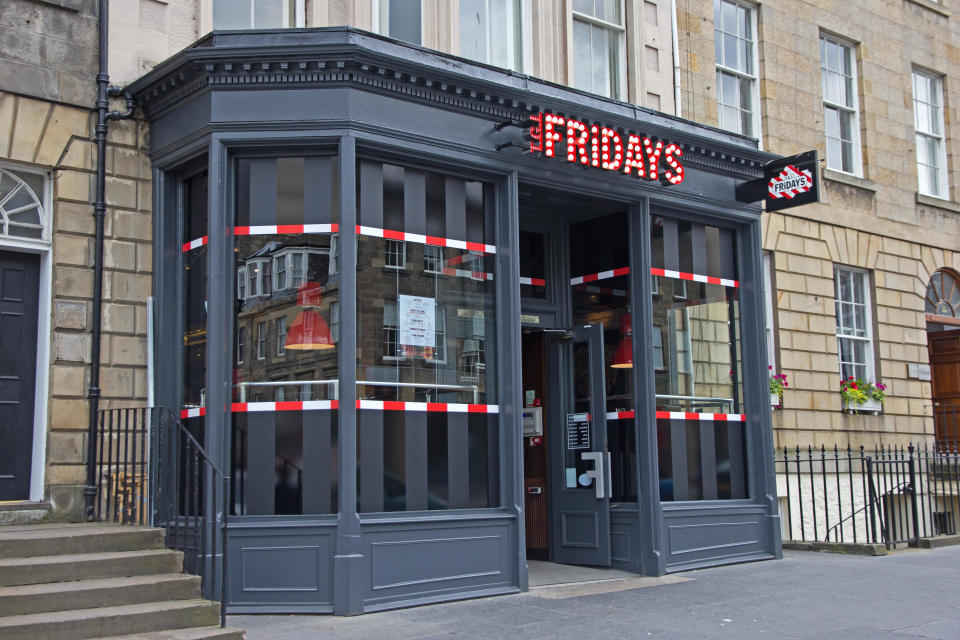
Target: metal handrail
{"points": [[426, 385], [287, 383], [700, 399]]}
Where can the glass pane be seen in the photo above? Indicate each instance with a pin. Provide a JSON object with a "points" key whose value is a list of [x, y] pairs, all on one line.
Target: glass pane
{"points": [[582, 63], [231, 14], [533, 265], [284, 454], [473, 29], [602, 245], [730, 58], [268, 14], [426, 333], [403, 20], [601, 57]]}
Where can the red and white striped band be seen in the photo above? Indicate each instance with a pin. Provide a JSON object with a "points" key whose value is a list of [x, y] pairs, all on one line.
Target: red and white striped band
{"points": [[303, 405], [682, 415], [603, 275], [424, 239], [537, 282], [193, 412], [268, 230], [277, 229], [694, 277], [193, 244], [442, 407]]}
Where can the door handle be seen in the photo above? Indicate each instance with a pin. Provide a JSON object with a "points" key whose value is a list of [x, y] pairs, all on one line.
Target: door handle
{"points": [[597, 473]]}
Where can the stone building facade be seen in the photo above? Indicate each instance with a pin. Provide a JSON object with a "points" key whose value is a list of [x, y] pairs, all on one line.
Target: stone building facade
{"points": [[47, 95], [876, 215]]}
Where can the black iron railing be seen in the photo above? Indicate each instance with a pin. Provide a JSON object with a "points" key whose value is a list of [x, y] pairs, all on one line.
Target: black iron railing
{"points": [[889, 495], [152, 471]]}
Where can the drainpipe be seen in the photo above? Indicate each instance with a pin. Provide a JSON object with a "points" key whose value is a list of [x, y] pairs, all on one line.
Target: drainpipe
{"points": [[676, 58], [104, 115]]}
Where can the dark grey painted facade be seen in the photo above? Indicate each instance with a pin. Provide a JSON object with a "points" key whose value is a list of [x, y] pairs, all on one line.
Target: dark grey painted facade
{"points": [[364, 96]]}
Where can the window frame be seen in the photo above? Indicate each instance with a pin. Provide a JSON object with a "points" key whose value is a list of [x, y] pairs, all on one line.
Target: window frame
{"points": [[871, 362], [261, 338], [402, 253], [281, 335], [850, 48], [769, 312], [618, 76], [943, 183], [741, 76], [241, 344]]}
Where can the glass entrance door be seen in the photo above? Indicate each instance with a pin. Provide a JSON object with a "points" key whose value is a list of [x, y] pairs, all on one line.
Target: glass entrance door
{"points": [[579, 462]]}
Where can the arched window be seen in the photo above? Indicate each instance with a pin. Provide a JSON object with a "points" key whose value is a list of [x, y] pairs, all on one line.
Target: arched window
{"points": [[21, 205], [943, 299]]}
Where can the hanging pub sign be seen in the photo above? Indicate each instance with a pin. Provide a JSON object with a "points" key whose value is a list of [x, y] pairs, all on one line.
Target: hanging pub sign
{"points": [[605, 148], [786, 182]]}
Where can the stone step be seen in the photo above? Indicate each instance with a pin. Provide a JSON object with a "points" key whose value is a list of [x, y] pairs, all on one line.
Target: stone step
{"points": [[88, 594], [18, 512], [19, 541], [87, 566], [196, 633], [123, 621]]}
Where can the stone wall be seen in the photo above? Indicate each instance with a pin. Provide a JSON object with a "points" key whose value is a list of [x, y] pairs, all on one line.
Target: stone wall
{"points": [[876, 222], [57, 137]]}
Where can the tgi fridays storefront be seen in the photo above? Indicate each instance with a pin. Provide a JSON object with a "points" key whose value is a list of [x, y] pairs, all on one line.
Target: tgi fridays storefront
{"points": [[435, 319]]}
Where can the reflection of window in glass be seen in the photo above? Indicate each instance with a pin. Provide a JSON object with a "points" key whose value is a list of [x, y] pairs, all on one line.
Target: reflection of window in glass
{"points": [[265, 280], [334, 321], [598, 63], [658, 348], [281, 335], [253, 273], [261, 340], [242, 283], [258, 14], [398, 19], [768, 309], [655, 284], [440, 337], [279, 394], [490, 32], [854, 328], [395, 254], [280, 272], [928, 124], [679, 289], [734, 47], [296, 268], [840, 113], [241, 344], [432, 259], [391, 332]]}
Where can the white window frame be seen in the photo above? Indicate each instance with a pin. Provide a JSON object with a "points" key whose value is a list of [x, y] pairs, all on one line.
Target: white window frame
{"points": [[618, 75], [281, 277], [262, 340], [741, 75], [299, 19], [867, 338], [848, 49], [440, 336], [242, 283], [395, 327], [402, 253], [942, 188], [376, 23], [768, 311], [519, 34], [241, 344], [438, 258], [281, 335]]}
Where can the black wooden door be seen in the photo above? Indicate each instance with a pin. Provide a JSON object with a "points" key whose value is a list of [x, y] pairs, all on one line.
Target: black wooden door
{"points": [[19, 283]]}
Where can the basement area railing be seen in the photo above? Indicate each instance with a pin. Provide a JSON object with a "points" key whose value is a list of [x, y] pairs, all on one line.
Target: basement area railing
{"points": [[151, 470], [889, 495]]}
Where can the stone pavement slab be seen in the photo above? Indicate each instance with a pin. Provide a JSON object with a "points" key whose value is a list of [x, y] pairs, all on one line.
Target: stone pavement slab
{"points": [[806, 595]]}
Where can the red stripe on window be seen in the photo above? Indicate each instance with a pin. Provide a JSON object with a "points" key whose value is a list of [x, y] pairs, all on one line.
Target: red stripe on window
{"points": [[436, 406], [476, 408], [290, 405], [289, 228], [476, 246], [394, 235], [241, 231]]}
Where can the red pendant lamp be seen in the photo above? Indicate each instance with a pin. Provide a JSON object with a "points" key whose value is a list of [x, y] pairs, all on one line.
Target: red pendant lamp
{"points": [[623, 355], [309, 330]]}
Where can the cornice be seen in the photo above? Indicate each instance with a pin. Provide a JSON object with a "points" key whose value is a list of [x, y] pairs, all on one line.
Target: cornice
{"points": [[423, 76]]}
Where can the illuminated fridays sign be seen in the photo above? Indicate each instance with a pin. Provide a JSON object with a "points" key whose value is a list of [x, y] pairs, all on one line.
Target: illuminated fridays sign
{"points": [[601, 147]]}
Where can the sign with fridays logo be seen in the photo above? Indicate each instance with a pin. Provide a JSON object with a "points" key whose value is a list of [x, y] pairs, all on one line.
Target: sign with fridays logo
{"points": [[786, 182]]}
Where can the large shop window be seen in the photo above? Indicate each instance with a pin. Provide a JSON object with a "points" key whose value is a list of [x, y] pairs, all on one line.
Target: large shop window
{"points": [[696, 318], [194, 308], [285, 384], [426, 341], [600, 282]]}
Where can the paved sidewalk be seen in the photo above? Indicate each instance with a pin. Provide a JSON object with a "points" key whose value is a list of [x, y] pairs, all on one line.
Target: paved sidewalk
{"points": [[906, 595]]}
